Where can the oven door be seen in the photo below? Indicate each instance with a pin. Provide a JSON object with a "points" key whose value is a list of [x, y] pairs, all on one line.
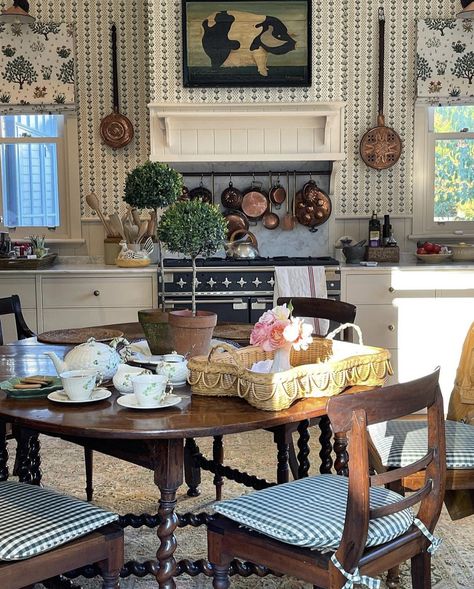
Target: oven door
{"points": [[258, 306], [234, 310]]}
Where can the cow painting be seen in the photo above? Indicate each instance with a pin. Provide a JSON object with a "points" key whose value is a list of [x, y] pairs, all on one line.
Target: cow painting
{"points": [[235, 39], [246, 43]]}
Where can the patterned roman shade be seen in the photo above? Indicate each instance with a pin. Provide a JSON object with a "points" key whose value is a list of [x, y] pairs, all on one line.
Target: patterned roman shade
{"points": [[445, 61], [36, 67]]}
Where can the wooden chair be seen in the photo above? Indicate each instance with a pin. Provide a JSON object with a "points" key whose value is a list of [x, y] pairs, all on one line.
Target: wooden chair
{"points": [[309, 513], [337, 312], [39, 512], [12, 306]]}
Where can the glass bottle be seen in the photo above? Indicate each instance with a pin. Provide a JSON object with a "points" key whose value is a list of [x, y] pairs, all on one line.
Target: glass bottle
{"points": [[374, 231]]}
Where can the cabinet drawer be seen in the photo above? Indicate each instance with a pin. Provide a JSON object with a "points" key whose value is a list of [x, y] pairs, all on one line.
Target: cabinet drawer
{"points": [[25, 288], [382, 289], [68, 318], [378, 324], [98, 292]]}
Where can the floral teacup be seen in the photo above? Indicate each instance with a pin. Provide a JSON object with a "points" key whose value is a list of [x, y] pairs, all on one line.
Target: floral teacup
{"points": [[150, 389], [122, 379], [175, 367]]}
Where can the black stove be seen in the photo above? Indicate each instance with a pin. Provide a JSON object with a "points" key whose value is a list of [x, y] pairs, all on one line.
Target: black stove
{"points": [[260, 261]]}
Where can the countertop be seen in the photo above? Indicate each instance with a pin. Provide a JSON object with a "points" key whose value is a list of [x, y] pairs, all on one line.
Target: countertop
{"points": [[72, 268]]}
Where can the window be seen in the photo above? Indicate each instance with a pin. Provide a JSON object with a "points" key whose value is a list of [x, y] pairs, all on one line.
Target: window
{"points": [[35, 179], [444, 171]]}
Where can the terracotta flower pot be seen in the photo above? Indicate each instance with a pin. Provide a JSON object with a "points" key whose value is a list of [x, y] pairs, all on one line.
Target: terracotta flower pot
{"points": [[157, 331], [192, 335]]}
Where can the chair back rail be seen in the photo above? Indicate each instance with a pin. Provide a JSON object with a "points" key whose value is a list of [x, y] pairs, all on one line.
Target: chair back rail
{"points": [[338, 311], [12, 306], [352, 415]]}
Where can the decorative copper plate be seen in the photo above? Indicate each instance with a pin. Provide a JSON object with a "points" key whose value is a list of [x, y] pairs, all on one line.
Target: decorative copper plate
{"points": [[381, 147], [116, 130], [79, 335]]}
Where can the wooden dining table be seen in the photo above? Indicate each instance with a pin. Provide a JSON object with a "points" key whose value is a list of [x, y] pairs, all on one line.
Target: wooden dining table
{"points": [[155, 439]]}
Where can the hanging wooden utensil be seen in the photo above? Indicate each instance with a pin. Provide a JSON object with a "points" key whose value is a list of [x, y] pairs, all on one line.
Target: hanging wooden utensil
{"points": [[381, 146], [115, 129]]}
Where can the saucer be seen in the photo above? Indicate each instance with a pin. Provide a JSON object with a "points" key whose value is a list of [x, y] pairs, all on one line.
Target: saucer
{"points": [[178, 384], [98, 394], [130, 401]]}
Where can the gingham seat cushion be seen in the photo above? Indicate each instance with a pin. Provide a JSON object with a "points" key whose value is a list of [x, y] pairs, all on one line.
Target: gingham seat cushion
{"points": [[34, 520], [401, 442], [310, 512]]}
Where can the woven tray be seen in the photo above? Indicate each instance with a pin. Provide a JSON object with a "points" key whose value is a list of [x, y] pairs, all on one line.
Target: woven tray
{"points": [[25, 264], [326, 368], [79, 335]]}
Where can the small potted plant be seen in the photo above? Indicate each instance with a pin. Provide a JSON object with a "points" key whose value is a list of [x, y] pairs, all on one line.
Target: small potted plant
{"points": [[192, 228], [154, 186]]}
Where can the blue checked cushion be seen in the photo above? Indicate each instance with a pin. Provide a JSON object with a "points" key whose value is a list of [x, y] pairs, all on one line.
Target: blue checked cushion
{"points": [[310, 512], [34, 519], [401, 442]]}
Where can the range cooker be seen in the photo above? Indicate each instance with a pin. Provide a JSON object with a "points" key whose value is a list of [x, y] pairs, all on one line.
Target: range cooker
{"points": [[238, 290]]}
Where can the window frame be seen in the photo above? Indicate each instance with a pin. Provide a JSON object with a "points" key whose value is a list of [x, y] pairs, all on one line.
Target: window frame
{"points": [[423, 181], [68, 185]]}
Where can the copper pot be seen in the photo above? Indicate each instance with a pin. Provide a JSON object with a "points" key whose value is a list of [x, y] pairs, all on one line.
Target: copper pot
{"points": [[313, 206], [277, 194], [201, 192], [270, 219]]}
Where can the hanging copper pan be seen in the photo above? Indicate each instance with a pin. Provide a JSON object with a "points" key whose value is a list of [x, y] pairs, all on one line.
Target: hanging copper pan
{"points": [[277, 194], [231, 197], [236, 220], [313, 208], [115, 129], [254, 202], [381, 146]]}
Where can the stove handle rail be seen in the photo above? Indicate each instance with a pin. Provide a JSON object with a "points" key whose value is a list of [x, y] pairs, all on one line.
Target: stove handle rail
{"points": [[237, 304]]}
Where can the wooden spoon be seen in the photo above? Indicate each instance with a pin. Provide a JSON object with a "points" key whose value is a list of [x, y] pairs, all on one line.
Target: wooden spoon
{"points": [[143, 230], [93, 202], [117, 226]]}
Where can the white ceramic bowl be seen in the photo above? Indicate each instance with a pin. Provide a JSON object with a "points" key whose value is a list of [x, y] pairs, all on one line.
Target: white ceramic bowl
{"points": [[462, 252], [434, 258]]}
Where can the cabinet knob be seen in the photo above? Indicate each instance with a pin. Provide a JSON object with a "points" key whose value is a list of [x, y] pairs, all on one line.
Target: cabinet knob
{"points": [[391, 327], [96, 293], [391, 289]]}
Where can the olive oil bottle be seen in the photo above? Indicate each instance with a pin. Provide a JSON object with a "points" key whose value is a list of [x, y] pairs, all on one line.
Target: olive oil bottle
{"points": [[374, 231]]}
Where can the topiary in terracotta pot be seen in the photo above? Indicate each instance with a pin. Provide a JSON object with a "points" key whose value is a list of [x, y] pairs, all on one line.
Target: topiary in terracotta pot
{"points": [[157, 333], [192, 228]]}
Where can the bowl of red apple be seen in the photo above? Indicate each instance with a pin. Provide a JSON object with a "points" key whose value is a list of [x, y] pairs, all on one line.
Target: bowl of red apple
{"points": [[433, 253]]}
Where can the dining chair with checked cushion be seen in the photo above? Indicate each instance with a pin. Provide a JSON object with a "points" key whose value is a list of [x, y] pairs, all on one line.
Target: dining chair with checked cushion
{"points": [[44, 534], [333, 531]]}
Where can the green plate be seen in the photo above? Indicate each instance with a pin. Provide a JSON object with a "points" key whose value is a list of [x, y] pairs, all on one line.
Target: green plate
{"points": [[7, 386]]}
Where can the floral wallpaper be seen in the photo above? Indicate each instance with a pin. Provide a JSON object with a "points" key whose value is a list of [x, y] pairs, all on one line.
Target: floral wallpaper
{"points": [[36, 65], [445, 61], [344, 68]]}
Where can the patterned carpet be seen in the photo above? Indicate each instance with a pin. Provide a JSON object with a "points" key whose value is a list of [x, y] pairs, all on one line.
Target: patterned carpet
{"points": [[127, 488]]}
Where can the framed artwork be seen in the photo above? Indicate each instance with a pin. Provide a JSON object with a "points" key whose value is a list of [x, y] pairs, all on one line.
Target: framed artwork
{"points": [[237, 43]]}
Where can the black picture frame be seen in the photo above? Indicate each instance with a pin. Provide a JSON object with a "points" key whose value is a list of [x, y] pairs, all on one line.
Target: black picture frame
{"points": [[221, 53]]}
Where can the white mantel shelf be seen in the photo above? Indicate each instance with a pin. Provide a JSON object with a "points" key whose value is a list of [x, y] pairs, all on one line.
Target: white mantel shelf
{"points": [[247, 132]]}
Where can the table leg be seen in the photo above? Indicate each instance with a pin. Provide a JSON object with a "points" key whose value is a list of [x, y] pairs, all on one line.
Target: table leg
{"points": [[342, 457], [168, 459], [192, 469], [303, 447], [218, 457], [326, 447], [281, 436], [3, 452]]}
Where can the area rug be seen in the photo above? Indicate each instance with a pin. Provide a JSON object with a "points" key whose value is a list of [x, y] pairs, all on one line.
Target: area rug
{"points": [[127, 488]]}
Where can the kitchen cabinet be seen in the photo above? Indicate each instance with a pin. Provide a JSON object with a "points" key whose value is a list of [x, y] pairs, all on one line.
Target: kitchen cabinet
{"points": [[421, 315], [81, 296]]}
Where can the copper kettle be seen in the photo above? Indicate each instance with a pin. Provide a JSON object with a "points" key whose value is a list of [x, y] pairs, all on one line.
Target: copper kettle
{"points": [[243, 248]]}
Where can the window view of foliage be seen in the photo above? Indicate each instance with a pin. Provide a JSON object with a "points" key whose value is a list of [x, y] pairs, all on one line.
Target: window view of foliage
{"points": [[454, 164]]}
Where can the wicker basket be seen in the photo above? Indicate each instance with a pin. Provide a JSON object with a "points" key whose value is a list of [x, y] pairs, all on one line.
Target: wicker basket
{"points": [[326, 368]]}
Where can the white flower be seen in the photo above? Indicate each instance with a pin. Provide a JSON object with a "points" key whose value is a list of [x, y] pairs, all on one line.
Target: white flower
{"points": [[281, 312]]}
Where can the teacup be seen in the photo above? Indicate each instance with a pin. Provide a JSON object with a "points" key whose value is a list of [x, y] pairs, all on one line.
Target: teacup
{"points": [[80, 384], [150, 389], [122, 379], [175, 367]]}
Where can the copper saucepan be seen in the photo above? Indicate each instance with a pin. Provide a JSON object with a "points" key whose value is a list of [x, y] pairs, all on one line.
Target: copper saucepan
{"points": [[277, 193], [235, 220]]}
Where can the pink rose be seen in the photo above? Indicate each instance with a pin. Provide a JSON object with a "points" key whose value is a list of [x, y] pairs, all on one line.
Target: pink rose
{"points": [[268, 317], [260, 334], [276, 338]]}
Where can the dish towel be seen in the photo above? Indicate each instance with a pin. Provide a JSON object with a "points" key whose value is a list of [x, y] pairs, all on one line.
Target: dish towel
{"points": [[302, 281]]}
